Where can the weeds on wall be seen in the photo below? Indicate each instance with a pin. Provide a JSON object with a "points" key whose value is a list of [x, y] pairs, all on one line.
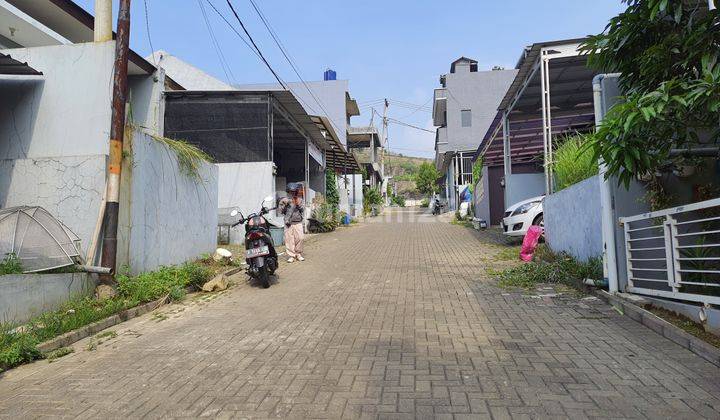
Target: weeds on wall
{"points": [[573, 161], [190, 157]]}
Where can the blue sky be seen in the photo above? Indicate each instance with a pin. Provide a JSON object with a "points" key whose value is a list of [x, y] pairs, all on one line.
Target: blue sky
{"points": [[391, 48]]}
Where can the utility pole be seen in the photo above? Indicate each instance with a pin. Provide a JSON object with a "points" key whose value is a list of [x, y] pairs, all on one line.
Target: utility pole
{"points": [[117, 133], [383, 140]]}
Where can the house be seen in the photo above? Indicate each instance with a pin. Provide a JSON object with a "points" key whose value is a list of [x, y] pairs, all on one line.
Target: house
{"points": [[54, 128], [551, 96], [331, 99], [463, 109]]}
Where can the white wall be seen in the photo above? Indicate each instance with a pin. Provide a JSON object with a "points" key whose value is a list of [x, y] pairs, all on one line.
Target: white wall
{"points": [[244, 185], [70, 188], [67, 114], [166, 216], [519, 187], [573, 220]]}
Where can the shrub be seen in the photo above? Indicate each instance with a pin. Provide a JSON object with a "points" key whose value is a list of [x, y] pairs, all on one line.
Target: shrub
{"points": [[164, 281], [331, 190], [573, 161], [398, 200], [425, 203], [371, 198], [327, 218], [10, 265]]}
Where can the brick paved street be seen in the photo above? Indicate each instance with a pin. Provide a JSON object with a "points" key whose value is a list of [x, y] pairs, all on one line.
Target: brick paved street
{"points": [[387, 319]]}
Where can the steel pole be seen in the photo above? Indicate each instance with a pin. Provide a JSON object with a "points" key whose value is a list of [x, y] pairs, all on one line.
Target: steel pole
{"points": [[117, 132], [102, 30], [607, 211]]}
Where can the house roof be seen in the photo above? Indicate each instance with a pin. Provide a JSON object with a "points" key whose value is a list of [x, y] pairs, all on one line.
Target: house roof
{"points": [[336, 155], [284, 99], [10, 66], [74, 23], [526, 65], [459, 60]]}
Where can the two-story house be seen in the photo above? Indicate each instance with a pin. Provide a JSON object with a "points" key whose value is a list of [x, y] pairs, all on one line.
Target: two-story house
{"points": [[463, 109]]}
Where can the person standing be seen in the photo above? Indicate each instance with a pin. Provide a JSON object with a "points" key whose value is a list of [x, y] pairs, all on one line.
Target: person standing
{"points": [[293, 211]]}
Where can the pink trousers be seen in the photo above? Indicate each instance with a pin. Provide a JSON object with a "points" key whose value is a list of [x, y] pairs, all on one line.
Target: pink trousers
{"points": [[294, 240]]}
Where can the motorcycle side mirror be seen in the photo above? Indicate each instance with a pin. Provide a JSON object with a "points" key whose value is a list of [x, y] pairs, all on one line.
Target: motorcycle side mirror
{"points": [[268, 201]]}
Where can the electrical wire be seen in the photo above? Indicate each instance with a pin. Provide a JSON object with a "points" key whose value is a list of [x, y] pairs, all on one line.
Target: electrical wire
{"points": [[223, 62], [290, 61], [147, 28]]}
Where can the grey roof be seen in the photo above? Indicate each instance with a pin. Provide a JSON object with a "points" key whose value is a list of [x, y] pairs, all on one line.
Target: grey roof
{"points": [[284, 98], [8, 65], [525, 66]]}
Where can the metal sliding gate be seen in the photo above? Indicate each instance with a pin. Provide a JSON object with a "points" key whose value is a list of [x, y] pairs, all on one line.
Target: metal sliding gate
{"points": [[675, 253]]}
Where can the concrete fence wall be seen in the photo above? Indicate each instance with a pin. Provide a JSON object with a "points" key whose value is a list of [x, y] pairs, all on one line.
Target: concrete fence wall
{"points": [[573, 220], [167, 216], [23, 296]]}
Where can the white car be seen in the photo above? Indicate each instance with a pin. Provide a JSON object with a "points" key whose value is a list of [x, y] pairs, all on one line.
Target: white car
{"points": [[520, 216]]}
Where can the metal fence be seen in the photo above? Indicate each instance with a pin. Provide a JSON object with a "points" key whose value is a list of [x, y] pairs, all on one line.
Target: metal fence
{"points": [[675, 253]]}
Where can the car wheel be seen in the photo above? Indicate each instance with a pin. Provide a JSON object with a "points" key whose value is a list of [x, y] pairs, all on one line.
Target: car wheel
{"points": [[539, 221]]}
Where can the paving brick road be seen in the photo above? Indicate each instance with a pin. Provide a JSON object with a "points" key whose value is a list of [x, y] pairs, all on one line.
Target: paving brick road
{"points": [[395, 318]]}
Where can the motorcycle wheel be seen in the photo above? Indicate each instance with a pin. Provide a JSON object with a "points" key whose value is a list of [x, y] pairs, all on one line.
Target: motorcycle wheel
{"points": [[264, 277]]}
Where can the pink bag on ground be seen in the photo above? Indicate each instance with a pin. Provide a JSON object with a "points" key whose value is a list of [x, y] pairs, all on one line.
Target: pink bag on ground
{"points": [[530, 242]]}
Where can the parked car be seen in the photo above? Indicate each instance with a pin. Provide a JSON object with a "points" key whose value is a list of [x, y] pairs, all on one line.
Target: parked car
{"points": [[520, 216]]}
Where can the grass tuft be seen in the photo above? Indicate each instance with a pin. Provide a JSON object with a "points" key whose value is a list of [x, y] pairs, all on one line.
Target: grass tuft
{"points": [[573, 161], [19, 345], [190, 157], [10, 265], [548, 267]]}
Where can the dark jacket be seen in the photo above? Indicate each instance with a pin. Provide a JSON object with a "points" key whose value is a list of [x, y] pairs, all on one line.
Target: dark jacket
{"points": [[292, 213]]}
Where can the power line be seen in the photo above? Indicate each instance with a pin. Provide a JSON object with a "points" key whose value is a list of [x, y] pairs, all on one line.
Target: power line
{"points": [[394, 121], [262, 57], [223, 62], [290, 61], [147, 27], [242, 38]]}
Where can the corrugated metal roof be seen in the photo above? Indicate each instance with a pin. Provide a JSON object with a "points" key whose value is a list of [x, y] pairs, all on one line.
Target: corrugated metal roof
{"points": [[525, 66], [8, 65]]}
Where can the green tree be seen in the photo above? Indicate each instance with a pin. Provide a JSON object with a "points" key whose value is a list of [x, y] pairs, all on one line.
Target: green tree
{"points": [[667, 52], [331, 191], [426, 178]]}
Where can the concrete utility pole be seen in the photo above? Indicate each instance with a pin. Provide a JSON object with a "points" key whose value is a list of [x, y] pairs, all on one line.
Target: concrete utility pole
{"points": [[117, 132], [383, 141], [103, 20]]}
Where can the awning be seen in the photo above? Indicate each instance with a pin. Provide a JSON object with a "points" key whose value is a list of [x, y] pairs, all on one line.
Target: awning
{"points": [[336, 156], [10, 66]]}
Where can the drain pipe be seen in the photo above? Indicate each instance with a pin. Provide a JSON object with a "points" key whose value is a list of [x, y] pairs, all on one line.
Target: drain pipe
{"points": [[606, 200]]}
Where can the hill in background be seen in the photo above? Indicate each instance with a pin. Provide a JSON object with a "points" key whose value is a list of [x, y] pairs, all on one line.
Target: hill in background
{"points": [[402, 169]]}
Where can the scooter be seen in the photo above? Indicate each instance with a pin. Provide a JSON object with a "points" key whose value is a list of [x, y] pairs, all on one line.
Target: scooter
{"points": [[260, 254], [437, 208]]}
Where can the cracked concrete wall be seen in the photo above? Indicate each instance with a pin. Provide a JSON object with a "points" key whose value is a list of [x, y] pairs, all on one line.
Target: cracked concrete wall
{"points": [[23, 296], [166, 216], [65, 114], [70, 188]]}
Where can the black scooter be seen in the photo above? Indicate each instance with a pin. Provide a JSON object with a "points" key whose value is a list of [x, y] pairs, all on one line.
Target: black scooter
{"points": [[260, 255], [437, 208]]}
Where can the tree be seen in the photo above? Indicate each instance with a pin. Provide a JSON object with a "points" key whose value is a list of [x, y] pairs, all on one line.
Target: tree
{"points": [[667, 52], [426, 178]]}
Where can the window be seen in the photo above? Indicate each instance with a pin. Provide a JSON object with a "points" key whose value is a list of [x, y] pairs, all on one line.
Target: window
{"points": [[466, 118]]}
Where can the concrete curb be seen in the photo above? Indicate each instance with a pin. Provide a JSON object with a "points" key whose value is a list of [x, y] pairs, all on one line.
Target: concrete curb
{"points": [[74, 336], [671, 332], [83, 332]]}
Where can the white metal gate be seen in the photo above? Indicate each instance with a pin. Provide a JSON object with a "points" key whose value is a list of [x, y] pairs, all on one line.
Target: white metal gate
{"points": [[675, 253]]}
